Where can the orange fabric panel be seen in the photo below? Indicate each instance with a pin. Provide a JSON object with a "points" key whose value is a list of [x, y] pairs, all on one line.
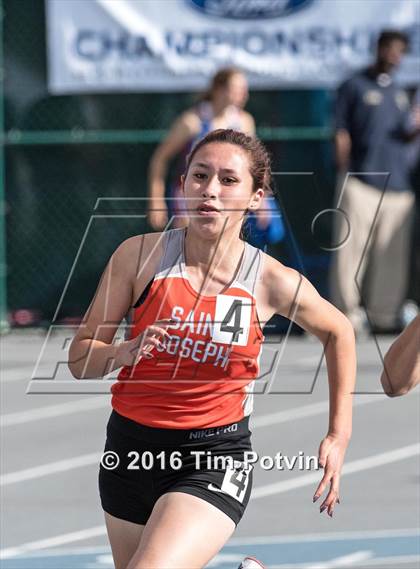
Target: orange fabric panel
{"points": [[200, 378]]}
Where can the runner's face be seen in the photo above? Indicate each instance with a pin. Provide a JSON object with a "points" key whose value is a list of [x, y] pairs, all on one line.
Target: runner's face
{"points": [[219, 177]]}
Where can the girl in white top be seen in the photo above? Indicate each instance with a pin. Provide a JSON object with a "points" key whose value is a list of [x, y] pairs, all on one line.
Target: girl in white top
{"points": [[222, 106]]}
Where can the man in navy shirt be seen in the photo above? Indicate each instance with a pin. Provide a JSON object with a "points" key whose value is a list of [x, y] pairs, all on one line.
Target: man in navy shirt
{"points": [[373, 128]]}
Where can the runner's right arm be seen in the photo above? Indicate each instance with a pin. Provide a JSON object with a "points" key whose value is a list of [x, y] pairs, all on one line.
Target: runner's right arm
{"points": [[92, 353]]}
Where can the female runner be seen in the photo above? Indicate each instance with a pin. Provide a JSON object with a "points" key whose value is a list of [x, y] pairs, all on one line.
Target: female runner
{"points": [[197, 298]]}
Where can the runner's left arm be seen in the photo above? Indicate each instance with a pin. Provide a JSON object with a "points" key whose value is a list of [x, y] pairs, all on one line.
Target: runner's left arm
{"points": [[293, 296]]}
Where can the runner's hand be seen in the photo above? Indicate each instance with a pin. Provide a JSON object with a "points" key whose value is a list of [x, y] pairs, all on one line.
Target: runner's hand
{"points": [[130, 352], [331, 457]]}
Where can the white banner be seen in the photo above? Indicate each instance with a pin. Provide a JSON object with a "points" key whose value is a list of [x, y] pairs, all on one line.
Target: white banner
{"points": [[161, 45]]}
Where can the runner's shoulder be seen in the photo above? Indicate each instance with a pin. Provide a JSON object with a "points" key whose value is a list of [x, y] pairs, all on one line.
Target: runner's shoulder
{"points": [[190, 120], [248, 123], [139, 254], [278, 279]]}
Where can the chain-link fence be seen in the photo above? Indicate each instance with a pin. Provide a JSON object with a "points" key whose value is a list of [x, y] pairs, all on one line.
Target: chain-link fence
{"points": [[62, 153]]}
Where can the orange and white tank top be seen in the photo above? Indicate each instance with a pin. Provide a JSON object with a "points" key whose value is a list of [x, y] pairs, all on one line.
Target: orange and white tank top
{"points": [[204, 374]]}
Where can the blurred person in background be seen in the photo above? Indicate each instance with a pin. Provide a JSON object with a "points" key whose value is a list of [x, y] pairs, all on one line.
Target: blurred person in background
{"points": [[221, 106], [373, 128]]}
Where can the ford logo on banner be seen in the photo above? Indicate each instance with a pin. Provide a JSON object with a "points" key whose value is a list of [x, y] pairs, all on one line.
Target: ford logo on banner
{"points": [[249, 9]]}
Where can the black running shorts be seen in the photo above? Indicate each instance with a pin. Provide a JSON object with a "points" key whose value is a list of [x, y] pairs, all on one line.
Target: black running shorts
{"points": [[207, 463]]}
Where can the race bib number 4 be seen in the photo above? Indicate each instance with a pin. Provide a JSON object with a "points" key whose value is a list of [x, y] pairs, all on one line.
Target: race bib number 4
{"points": [[232, 320]]}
